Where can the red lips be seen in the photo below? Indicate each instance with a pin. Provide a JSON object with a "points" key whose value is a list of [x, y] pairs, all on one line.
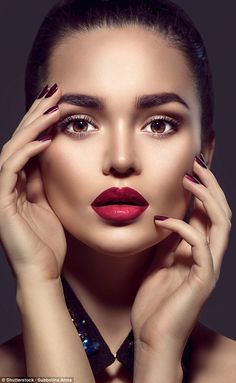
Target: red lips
{"points": [[124, 196], [119, 205]]}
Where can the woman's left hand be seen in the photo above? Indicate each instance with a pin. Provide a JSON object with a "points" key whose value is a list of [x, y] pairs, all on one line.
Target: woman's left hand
{"points": [[185, 269]]}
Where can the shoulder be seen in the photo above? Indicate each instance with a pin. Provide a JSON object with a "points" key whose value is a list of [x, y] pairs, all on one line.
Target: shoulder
{"points": [[213, 357], [12, 357]]}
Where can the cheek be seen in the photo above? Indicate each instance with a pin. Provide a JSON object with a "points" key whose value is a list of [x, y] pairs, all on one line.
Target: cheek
{"points": [[73, 177], [167, 169], [64, 174]]}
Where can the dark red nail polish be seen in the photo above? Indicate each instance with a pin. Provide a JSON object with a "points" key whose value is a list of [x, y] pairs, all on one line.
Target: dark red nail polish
{"points": [[51, 110], [160, 217], [43, 92], [202, 158], [51, 91], [201, 162], [192, 178], [45, 138]]}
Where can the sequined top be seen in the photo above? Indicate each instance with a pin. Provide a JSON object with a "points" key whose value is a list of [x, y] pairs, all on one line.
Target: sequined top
{"points": [[97, 350]]}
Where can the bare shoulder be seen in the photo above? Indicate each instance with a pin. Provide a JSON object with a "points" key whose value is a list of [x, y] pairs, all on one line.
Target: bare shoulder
{"points": [[12, 357], [213, 357]]}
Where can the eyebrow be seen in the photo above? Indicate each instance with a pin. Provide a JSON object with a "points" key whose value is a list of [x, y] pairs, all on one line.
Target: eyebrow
{"points": [[141, 102]]}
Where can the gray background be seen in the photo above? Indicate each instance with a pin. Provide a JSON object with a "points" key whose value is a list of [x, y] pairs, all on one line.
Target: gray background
{"points": [[19, 21]]}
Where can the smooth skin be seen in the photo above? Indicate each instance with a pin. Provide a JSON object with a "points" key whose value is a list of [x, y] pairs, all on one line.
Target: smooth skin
{"points": [[157, 283]]}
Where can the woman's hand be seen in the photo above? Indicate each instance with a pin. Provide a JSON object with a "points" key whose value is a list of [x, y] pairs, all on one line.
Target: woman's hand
{"points": [[30, 232], [185, 269]]}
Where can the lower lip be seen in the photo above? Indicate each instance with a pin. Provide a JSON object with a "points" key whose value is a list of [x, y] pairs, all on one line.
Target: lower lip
{"points": [[119, 213]]}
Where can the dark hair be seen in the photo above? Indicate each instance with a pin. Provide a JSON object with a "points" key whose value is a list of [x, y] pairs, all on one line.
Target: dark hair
{"points": [[162, 16]]}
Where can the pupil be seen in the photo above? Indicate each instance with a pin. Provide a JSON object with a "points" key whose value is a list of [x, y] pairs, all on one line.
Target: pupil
{"points": [[80, 124], [158, 125]]}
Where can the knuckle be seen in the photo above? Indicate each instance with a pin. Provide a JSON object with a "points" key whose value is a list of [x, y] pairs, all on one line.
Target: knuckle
{"points": [[228, 224], [224, 223], [203, 240], [4, 167], [213, 283], [4, 147], [230, 213]]}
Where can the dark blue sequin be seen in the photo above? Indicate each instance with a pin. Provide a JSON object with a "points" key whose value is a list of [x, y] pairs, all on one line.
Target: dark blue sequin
{"points": [[91, 346]]}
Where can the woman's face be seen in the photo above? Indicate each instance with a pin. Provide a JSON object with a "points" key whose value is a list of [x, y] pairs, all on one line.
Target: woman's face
{"points": [[122, 147]]}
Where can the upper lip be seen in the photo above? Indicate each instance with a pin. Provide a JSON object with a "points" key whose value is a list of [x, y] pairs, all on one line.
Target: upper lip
{"points": [[125, 194]]}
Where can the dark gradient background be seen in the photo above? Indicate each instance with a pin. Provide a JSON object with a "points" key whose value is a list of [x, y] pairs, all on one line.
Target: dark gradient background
{"points": [[19, 21]]}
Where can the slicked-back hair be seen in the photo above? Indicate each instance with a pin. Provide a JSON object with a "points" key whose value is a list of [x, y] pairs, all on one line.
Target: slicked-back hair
{"points": [[161, 16]]}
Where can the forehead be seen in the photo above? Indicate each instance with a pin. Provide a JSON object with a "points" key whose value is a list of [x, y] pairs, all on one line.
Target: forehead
{"points": [[117, 60]]}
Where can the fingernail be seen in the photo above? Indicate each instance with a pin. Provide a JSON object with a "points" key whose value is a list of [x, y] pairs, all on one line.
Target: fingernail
{"points": [[52, 90], [43, 92], [160, 217], [192, 178], [52, 109], [201, 162], [45, 138], [202, 158]]}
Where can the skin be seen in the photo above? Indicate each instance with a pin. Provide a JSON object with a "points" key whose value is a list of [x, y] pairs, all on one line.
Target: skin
{"points": [[118, 66], [137, 259]]}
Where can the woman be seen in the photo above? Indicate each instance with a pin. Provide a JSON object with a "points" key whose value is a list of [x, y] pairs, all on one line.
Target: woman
{"points": [[110, 215]]}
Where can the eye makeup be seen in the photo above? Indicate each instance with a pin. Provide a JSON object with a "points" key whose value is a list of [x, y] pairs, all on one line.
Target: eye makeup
{"points": [[82, 125], [67, 125], [165, 124]]}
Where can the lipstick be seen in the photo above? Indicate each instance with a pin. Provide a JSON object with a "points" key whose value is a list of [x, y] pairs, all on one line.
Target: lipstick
{"points": [[119, 204]]}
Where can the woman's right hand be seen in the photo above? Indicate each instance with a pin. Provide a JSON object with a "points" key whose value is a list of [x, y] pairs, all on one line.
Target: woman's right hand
{"points": [[30, 232]]}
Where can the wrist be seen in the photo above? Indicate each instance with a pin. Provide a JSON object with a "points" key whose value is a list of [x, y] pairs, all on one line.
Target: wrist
{"points": [[156, 365], [28, 291]]}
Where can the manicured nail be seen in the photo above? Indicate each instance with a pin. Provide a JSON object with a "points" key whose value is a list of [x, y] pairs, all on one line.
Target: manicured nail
{"points": [[52, 109], [43, 92], [52, 90], [201, 162], [192, 178], [202, 158], [160, 217], [45, 138]]}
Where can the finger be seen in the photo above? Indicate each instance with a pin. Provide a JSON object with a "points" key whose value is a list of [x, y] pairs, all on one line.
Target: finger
{"points": [[214, 210], [39, 107], [34, 188], [29, 134], [219, 222], [199, 218], [203, 263], [35, 104], [163, 254], [209, 180], [38, 99], [14, 164]]}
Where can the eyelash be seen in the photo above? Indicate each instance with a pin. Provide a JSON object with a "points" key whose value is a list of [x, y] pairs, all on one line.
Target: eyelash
{"points": [[64, 124], [168, 120]]}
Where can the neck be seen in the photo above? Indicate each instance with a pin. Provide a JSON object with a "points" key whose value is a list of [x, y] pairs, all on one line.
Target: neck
{"points": [[109, 280], [106, 286]]}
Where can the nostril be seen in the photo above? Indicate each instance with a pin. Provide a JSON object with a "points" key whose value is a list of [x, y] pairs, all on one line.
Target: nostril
{"points": [[120, 173]]}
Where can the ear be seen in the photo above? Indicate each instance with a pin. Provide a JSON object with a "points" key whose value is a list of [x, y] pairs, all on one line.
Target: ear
{"points": [[208, 148]]}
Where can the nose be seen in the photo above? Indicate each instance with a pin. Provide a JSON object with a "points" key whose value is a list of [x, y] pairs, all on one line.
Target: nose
{"points": [[121, 158]]}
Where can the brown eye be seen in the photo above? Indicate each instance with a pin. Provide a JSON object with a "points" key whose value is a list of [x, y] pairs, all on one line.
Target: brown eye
{"points": [[78, 125], [158, 126], [162, 125]]}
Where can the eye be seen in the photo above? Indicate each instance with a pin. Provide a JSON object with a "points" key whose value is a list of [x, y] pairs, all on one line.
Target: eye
{"points": [[163, 125], [77, 125]]}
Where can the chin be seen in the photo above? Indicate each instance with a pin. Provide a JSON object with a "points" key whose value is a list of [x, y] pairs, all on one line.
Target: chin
{"points": [[123, 242]]}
